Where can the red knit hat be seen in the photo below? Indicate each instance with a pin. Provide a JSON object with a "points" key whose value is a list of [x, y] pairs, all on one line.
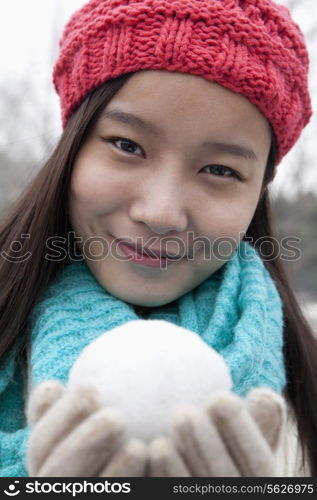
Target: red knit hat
{"points": [[248, 46]]}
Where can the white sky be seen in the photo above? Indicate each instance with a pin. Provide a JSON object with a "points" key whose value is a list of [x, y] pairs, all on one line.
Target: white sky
{"points": [[29, 46]]}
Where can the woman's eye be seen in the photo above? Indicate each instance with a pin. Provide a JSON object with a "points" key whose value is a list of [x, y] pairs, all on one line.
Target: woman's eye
{"points": [[222, 171], [126, 145]]}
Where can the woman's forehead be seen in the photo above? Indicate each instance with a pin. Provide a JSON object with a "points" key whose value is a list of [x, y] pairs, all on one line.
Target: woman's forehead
{"points": [[163, 102]]}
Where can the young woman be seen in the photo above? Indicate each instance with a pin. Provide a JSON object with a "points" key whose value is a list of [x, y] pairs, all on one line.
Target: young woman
{"points": [[155, 204]]}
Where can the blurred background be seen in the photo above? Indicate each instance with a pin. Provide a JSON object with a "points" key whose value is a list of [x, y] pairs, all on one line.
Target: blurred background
{"points": [[29, 109]]}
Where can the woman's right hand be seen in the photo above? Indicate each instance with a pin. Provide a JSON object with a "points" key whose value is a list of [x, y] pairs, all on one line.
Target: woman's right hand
{"points": [[74, 435]]}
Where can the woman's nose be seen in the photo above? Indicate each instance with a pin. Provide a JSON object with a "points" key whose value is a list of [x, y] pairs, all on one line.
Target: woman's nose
{"points": [[161, 208]]}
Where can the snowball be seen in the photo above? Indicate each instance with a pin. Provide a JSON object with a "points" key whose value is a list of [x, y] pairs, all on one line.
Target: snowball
{"points": [[146, 369]]}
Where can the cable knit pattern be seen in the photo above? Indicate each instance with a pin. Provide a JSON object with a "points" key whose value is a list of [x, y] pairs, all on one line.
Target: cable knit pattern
{"points": [[249, 46], [237, 311]]}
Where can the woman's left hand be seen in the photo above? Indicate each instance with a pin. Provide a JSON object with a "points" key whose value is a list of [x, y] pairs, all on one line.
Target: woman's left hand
{"points": [[230, 437]]}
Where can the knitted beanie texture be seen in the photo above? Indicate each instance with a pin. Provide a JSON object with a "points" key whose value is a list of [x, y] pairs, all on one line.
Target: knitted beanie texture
{"points": [[251, 47]]}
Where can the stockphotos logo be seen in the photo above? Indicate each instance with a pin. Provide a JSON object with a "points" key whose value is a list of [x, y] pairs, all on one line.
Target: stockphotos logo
{"points": [[12, 489], [75, 488]]}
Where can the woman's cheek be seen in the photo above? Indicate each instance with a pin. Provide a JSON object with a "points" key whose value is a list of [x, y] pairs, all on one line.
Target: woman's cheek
{"points": [[230, 222]]}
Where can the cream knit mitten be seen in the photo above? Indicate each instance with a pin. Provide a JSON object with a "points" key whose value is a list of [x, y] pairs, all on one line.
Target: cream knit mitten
{"points": [[74, 436], [232, 437]]}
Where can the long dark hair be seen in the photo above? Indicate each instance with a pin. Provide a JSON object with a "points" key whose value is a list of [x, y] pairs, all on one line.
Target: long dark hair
{"points": [[300, 344], [41, 212]]}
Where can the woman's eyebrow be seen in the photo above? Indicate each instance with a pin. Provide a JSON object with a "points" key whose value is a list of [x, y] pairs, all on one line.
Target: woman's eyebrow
{"points": [[232, 149], [130, 119], [135, 121]]}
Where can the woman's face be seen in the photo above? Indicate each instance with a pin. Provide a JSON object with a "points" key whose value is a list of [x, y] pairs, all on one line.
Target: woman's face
{"points": [[174, 164]]}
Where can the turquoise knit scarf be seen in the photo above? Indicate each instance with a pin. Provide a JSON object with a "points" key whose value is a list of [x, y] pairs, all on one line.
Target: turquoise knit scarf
{"points": [[237, 311]]}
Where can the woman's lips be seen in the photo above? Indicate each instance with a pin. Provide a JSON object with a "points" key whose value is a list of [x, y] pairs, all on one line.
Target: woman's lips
{"points": [[144, 259]]}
